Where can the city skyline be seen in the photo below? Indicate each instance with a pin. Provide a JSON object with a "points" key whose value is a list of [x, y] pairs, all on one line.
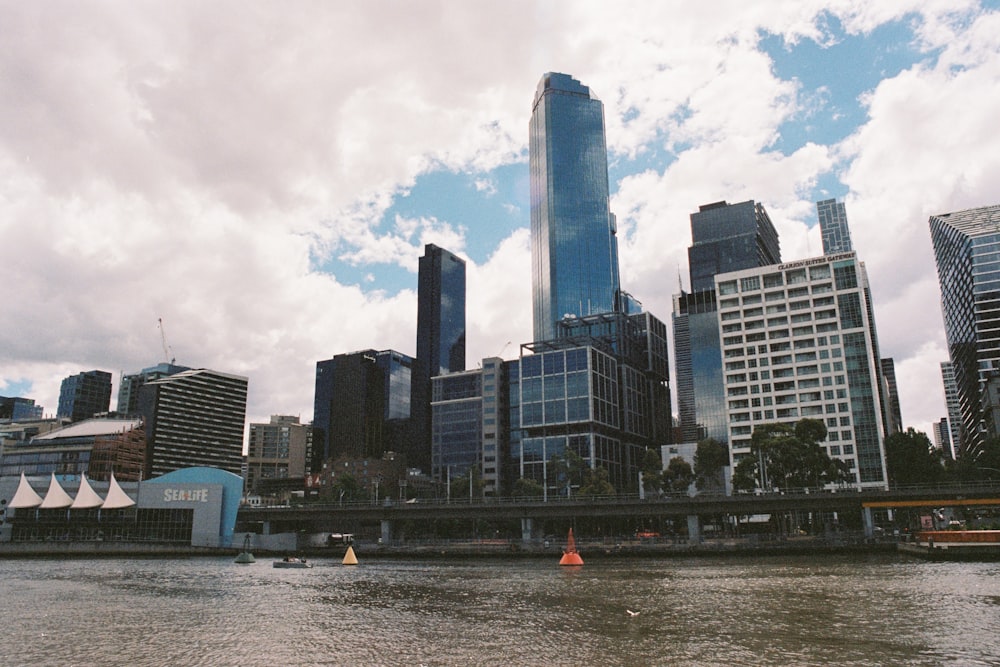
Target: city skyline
{"points": [[269, 203]]}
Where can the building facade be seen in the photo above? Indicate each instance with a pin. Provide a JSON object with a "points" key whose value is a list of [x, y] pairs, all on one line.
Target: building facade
{"points": [[278, 455], [194, 418], [574, 249], [362, 406], [725, 237], [84, 395], [440, 341], [954, 412], [96, 448], [128, 389], [833, 227], [966, 246], [16, 409], [798, 341]]}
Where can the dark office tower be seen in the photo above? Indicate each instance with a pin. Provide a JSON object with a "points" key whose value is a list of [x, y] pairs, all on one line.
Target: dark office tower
{"points": [[730, 237], [194, 418], [84, 395], [128, 390], [966, 247], [833, 227], [574, 250], [440, 341], [894, 416], [362, 405], [725, 237]]}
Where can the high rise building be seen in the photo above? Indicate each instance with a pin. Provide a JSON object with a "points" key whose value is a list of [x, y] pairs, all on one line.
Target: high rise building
{"points": [[730, 237], [833, 227], [361, 405], [951, 402], [194, 418], [277, 455], [798, 340], [574, 250], [84, 395], [128, 390], [966, 247], [725, 237], [942, 435], [440, 341], [894, 416]]}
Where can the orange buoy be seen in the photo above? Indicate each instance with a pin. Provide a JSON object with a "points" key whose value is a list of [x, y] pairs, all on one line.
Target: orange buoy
{"points": [[349, 557], [570, 556]]}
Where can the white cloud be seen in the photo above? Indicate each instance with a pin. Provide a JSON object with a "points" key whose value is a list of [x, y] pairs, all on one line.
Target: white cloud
{"points": [[164, 160]]}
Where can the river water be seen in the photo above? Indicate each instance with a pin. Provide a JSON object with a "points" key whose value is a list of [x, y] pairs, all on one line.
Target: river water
{"points": [[835, 610]]}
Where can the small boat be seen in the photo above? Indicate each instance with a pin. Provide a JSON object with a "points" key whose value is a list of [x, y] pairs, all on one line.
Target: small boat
{"points": [[954, 545], [245, 557], [293, 562]]}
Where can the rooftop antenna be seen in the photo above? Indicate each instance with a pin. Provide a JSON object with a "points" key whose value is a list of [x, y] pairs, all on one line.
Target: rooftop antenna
{"points": [[163, 339]]}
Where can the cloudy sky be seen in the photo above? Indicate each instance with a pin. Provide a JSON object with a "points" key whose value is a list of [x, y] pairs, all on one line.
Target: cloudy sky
{"points": [[263, 176]]}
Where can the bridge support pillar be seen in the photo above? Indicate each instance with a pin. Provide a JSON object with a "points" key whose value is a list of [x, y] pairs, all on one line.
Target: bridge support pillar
{"points": [[694, 529], [527, 528], [265, 528], [386, 532], [867, 521]]}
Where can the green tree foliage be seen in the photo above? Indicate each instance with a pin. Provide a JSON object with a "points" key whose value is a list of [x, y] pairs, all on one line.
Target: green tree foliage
{"points": [[911, 459], [596, 483], [345, 488], [710, 457], [982, 464], [678, 475], [788, 457], [527, 487], [652, 472]]}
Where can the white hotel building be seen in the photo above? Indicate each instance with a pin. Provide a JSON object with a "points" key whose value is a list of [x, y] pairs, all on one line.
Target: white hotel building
{"points": [[798, 340]]}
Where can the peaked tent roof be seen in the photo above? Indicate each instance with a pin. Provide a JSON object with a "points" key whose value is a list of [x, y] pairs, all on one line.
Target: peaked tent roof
{"points": [[86, 497], [117, 498], [25, 496], [56, 497]]}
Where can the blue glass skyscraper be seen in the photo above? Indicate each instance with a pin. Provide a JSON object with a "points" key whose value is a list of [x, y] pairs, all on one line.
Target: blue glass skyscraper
{"points": [[966, 249], [574, 251]]}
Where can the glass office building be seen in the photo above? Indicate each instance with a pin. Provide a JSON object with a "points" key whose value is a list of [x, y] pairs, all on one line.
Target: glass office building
{"points": [[574, 251], [730, 237], [84, 395], [725, 237], [967, 253], [440, 342]]}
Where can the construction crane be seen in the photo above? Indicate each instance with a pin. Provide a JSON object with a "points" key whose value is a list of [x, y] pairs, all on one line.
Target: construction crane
{"points": [[503, 349], [163, 339]]}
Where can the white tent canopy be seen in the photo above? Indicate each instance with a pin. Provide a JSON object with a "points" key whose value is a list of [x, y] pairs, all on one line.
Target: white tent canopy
{"points": [[25, 496], [56, 497], [117, 498], [86, 497]]}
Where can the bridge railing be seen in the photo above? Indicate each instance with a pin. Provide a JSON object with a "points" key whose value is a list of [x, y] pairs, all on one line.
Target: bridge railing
{"points": [[986, 486]]}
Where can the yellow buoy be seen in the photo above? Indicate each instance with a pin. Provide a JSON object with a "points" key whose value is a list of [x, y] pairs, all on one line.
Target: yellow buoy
{"points": [[349, 557]]}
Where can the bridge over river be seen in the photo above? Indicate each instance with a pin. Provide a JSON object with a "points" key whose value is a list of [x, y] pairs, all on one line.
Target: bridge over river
{"points": [[856, 505]]}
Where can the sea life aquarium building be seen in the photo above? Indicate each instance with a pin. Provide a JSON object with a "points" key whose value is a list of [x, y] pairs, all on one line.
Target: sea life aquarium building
{"points": [[189, 507]]}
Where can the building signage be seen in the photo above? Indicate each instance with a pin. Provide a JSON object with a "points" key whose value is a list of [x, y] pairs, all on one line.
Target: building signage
{"points": [[816, 260], [185, 495]]}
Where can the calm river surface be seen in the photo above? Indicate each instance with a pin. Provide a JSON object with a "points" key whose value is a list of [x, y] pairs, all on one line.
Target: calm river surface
{"points": [[842, 610]]}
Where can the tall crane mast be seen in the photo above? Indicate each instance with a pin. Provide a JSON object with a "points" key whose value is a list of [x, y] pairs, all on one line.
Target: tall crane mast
{"points": [[163, 339]]}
